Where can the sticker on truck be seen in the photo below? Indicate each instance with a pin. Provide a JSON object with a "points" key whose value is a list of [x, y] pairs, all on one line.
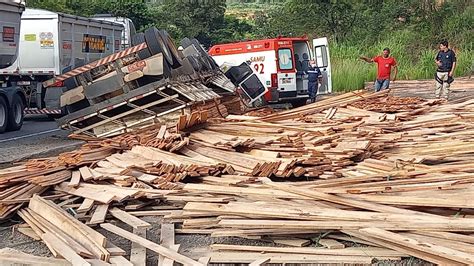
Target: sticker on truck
{"points": [[46, 40], [8, 34], [93, 43]]}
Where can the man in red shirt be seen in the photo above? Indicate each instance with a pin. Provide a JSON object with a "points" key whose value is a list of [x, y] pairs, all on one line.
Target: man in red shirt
{"points": [[384, 68]]}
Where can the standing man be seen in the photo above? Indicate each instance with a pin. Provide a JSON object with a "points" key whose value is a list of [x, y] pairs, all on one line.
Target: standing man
{"points": [[446, 62], [314, 74], [384, 68]]}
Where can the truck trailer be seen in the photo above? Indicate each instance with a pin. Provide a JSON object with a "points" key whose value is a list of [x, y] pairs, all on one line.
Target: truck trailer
{"points": [[12, 99], [51, 44]]}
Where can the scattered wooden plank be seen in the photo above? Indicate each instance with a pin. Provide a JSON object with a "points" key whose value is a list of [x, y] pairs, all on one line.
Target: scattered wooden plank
{"points": [[75, 179], [129, 219], [294, 242], [150, 245], [166, 240], [65, 251], [331, 243], [86, 173], [120, 261], [138, 252], [260, 262], [86, 205], [431, 248], [99, 214], [27, 231]]}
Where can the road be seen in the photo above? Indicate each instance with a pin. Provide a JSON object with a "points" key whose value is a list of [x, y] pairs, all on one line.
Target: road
{"points": [[39, 136]]}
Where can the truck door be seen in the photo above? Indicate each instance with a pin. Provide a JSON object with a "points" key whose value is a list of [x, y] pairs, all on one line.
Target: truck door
{"points": [[286, 73], [321, 56]]}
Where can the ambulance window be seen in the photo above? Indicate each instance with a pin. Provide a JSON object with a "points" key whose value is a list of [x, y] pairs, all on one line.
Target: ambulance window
{"points": [[321, 54], [285, 60]]}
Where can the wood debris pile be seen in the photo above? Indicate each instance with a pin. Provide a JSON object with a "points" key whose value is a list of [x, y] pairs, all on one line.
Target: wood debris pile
{"points": [[367, 184]]}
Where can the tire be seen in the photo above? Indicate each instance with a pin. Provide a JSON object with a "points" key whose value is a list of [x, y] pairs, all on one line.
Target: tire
{"points": [[16, 114], [138, 39], [299, 102], [3, 115], [206, 60], [195, 63], [157, 45], [172, 48]]}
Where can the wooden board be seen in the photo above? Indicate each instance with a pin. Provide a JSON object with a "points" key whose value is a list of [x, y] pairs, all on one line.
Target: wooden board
{"points": [[129, 219], [99, 214], [138, 252], [150, 245]]}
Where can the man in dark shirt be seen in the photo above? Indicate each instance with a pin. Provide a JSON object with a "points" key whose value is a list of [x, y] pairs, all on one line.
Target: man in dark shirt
{"points": [[446, 62], [314, 75]]}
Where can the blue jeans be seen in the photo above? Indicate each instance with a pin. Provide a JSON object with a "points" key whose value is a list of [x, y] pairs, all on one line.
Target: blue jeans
{"points": [[381, 84], [312, 89]]}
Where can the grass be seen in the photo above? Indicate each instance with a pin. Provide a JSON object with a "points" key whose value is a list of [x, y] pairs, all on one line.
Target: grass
{"points": [[350, 73]]}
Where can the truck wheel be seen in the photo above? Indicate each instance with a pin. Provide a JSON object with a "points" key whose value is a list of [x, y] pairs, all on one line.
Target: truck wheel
{"points": [[157, 45], [206, 59], [172, 48], [15, 118], [3, 115], [138, 39]]}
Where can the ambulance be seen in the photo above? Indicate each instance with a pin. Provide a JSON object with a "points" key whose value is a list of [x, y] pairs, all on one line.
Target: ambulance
{"points": [[281, 63]]}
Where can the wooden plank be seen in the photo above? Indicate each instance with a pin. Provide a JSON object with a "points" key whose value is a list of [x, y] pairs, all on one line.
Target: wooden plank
{"points": [[27, 231], [294, 242], [431, 248], [260, 262], [331, 243], [204, 260], [119, 261], [94, 241], [351, 251], [99, 214], [65, 251], [11, 257], [129, 219], [86, 205], [86, 173], [166, 240], [75, 179], [138, 252], [150, 245]]}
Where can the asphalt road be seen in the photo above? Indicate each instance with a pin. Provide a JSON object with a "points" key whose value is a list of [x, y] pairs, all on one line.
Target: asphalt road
{"points": [[39, 136]]}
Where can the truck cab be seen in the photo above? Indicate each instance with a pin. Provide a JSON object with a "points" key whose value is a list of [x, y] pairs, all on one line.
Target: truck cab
{"points": [[282, 63]]}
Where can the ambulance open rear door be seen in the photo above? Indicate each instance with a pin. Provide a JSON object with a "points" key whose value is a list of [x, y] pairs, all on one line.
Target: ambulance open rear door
{"points": [[321, 56]]}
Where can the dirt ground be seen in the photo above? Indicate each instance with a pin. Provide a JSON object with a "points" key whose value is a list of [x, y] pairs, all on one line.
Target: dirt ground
{"points": [[197, 246]]}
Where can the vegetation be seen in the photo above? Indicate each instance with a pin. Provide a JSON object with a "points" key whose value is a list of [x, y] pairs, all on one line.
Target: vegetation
{"points": [[411, 28]]}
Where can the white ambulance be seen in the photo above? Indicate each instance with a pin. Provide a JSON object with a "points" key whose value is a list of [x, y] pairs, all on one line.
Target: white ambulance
{"points": [[281, 63]]}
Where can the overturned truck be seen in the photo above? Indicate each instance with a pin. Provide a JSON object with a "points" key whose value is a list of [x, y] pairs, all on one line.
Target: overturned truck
{"points": [[141, 85]]}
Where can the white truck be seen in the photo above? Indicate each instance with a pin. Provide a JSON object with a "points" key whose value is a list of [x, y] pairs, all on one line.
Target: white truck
{"points": [[51, 44], [12, 100]]}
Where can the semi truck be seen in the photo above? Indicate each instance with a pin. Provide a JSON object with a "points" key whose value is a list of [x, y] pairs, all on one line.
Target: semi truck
{"points": [[282, 63], [50, 44], [150, 82], [12, 99]]}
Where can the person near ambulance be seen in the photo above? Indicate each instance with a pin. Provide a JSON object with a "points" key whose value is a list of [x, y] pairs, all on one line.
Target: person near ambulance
{"points": [[314, 76], [446, 62], [385, 63]]}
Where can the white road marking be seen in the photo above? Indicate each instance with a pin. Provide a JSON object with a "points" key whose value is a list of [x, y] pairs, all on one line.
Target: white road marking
{"points": [[31, 135]]}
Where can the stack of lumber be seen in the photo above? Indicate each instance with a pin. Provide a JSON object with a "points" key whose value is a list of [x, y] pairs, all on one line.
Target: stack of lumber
{"points": [[390, 104], [367, 184]]}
